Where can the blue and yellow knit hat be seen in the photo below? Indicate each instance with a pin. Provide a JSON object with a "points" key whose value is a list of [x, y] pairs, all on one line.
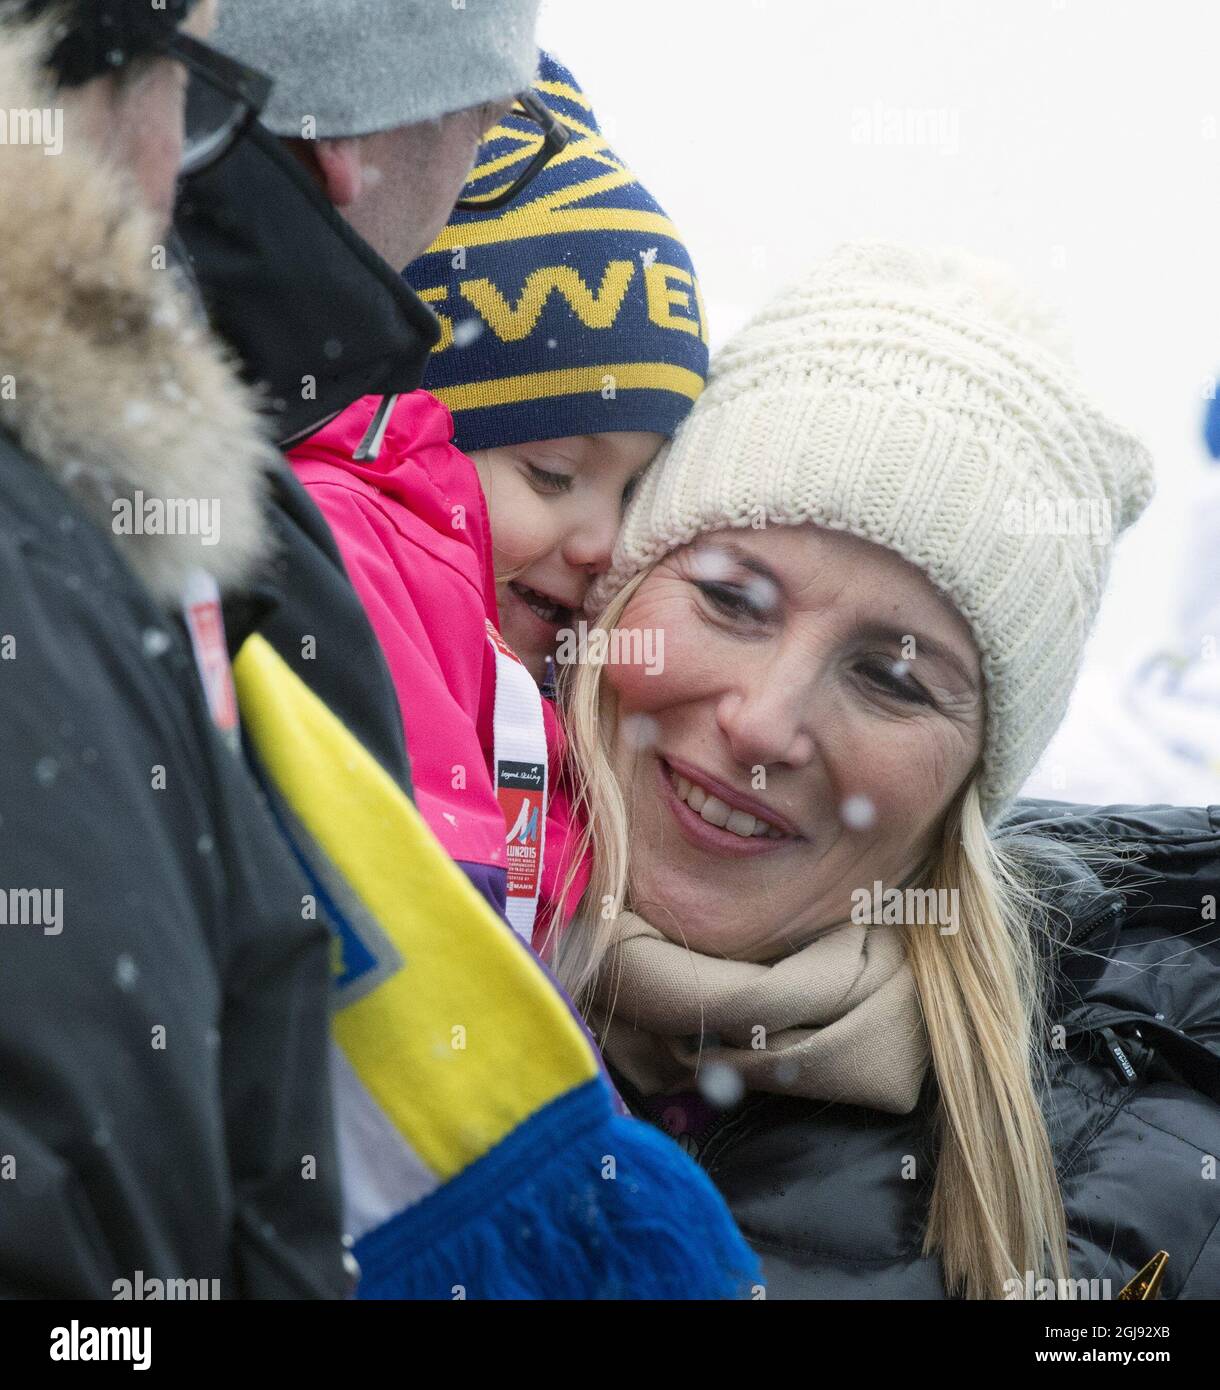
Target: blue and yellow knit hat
{"points": [[575, 309]]}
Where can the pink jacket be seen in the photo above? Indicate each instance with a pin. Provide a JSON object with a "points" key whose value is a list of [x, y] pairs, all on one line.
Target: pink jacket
{"points": [[413, 530]]}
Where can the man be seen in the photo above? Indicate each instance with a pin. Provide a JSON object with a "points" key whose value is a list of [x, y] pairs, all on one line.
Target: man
{"points": [[164, 1106], [298, 240]]}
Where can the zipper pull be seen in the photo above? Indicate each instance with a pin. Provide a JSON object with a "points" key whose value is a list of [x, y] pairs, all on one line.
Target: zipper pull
{"points": [[369, 448], [1147, 1283], [549, 680], [1116, 1055]]}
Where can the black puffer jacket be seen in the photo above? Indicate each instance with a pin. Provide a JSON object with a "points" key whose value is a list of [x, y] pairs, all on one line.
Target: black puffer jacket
{"points": [[163, 1042], [819, 1189]]}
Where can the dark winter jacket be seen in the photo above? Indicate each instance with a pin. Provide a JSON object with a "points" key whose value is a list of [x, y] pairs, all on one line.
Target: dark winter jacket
{"points": [[165, 1108], [317, 320], [1134, 1106]]}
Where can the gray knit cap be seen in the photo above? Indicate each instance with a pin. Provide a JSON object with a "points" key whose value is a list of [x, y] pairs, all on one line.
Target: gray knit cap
{"points": [[359, 66]]}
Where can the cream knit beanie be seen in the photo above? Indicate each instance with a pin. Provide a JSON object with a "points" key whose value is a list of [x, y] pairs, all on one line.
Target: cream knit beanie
{"points": [[919, 400]]}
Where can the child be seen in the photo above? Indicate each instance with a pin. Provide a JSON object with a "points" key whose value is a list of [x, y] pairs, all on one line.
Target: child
{"points": [[574, 343]]}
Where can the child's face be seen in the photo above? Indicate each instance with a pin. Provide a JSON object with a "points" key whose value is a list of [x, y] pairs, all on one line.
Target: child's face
{"points": [[555, 507]]}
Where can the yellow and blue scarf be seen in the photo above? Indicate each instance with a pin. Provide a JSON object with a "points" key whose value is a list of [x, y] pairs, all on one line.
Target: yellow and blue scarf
{"points": [[483, 1154]]}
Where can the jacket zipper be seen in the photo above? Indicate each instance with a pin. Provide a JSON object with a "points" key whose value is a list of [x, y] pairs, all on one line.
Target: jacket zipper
{"points": [[1092, 924]]}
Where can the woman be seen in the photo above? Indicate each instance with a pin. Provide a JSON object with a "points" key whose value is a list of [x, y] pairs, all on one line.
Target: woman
{"points": [[874, 552], [163, 1017]]}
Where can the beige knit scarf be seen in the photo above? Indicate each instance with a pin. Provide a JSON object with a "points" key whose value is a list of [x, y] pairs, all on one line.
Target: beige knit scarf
{"points": [[838, 1020]]}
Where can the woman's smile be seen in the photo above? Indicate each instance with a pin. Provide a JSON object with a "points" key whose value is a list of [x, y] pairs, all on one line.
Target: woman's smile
{"points": [[715, 819]]}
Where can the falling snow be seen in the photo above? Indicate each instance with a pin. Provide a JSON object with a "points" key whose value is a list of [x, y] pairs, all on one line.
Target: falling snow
{"points": [[711, 562], [786, 1072], [721, 1086], [155, 641], [467, 332], [857, 813], [761, 592], [639, 731], [126, 973]]}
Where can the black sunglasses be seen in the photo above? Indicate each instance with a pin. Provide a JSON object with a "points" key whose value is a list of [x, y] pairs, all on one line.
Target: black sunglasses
{"points": [[555, 135], [223, 100]]}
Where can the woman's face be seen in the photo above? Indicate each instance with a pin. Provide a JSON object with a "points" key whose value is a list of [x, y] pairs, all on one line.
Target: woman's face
{"points": [[813, 683]]}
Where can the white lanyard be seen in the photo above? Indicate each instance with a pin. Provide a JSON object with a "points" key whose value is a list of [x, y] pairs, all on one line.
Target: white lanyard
{"points": [[520, 765]]}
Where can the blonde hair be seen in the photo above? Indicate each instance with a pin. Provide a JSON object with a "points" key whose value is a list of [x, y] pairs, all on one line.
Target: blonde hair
{"points": [[996, 1211]]}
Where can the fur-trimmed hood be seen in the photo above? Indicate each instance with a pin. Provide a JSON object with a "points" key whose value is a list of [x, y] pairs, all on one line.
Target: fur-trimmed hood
{"points": [[107, 378]]}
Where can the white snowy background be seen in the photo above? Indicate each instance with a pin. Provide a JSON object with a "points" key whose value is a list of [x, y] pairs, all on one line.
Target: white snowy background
{"points": [[1082, 146]]}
